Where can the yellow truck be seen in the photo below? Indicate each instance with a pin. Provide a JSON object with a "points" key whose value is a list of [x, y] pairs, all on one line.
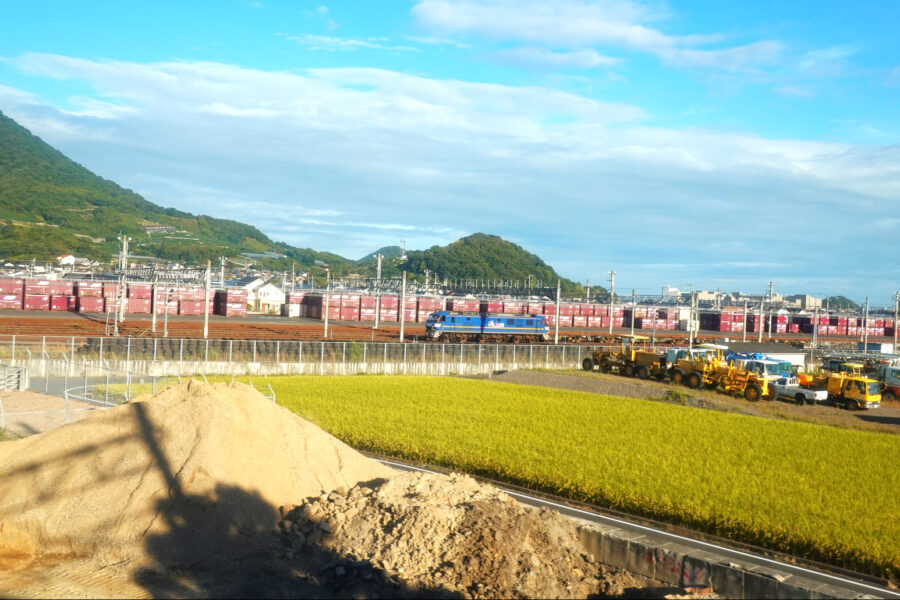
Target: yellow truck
{"points": [[847, 386], [631, 359]]}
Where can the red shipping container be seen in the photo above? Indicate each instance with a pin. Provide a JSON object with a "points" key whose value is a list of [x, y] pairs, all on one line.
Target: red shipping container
{"points": [[411, 303], [368, 301], [390, 302], [409, 315], [429, 303], [737, 327], [91, 304], [62, 288], [794, 327], [549, 308], [491, 306], [595, 322], [568, 310], [350, 313], [422, 316], [586, 310], [37, 287], [878, 322], [534, 308], [8, 301], [163, 307], [59, 303], [36, 302], [140, 290], [550, 320], [579, 321], [89, 288], [388, 315], [513, 308], [12, 286], [111, 290], [138, 306], [367, 314]]}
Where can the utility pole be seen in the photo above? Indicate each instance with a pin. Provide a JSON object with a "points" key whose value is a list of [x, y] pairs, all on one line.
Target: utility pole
{"points": [[327, 298], [587, 297], [206, 301], [166, 315], [761, 325], [896, 306], [633, 310], [121, 296], [655, 314], [403, 302], [612, 299], [378, 258], [693, 320], [865, 339], [154, 295], [222, 271], [556, 322], [744, 333], [815, 335]]}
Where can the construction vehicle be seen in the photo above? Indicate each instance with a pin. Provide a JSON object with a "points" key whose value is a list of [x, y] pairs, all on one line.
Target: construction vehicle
{"points": [[848, 386], [631, 359], [694, 367], [890, 377]]}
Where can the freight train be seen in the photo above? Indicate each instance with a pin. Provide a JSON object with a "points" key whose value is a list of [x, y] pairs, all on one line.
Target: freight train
{"points": [[459, 327]]}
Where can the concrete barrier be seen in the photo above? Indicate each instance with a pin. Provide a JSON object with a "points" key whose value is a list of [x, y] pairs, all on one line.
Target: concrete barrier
{"points": [[669, 563]]}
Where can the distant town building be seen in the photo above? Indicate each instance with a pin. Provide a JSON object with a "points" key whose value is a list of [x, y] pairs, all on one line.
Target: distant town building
{"points": [[157, 228]]}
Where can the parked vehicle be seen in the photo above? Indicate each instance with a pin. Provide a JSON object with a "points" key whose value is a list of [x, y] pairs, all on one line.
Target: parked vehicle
{"points": [[848, 387], [631, 359], [789, 388]]}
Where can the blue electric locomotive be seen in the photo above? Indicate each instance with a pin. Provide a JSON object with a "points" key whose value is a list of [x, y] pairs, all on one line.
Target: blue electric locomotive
{"points": [[452, 327]]}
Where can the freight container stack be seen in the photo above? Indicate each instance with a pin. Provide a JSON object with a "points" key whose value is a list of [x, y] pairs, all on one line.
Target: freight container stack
{"points": [[11, 293], [230, 303], [514, 307], [142, 291], [427, 305], [492, 306], [778, 324], [463, 305], [90, 303], [192, 308]]}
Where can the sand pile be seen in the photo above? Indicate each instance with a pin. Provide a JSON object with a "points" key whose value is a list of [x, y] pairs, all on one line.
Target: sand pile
{"points": [[189, 475], [444, 536]]}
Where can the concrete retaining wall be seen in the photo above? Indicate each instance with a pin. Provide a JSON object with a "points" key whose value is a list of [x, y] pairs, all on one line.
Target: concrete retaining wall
{"points": [[667, 562]]}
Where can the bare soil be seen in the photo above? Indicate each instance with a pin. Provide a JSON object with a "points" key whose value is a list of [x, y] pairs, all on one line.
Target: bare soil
{"points": [[27, 413], [175, 495], [885, 419]]}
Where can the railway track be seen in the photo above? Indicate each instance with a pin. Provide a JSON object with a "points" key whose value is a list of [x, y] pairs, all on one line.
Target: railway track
{"points": [[281, 328]]}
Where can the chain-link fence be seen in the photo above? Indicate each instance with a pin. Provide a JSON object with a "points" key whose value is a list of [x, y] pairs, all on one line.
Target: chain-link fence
{"points": [[104, 351]]}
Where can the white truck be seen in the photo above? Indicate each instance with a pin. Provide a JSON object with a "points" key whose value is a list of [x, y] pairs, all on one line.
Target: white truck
{"points": [[789, 388]]}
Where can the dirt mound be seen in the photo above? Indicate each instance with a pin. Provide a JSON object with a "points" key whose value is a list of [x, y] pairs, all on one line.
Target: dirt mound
{"points": [[189, 475], [446, 537]]}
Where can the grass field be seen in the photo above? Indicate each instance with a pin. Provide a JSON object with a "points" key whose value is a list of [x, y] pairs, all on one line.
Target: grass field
{"points": [[821, 492]]}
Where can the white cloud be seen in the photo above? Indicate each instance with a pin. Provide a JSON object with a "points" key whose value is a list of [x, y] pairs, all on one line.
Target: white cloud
{"points": [[582, 24], [541, 57], [348, 160], [331, 44]]}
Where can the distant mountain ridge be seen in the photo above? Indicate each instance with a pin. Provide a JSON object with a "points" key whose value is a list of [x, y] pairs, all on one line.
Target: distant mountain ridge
{"points": [[50, 205]]}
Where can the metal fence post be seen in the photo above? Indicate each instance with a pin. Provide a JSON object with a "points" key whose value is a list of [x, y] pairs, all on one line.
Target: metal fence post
{"points": [[106, 395], [254, 351], [322, 353], [299, 352], [479, 354], [497, 357], [128, 352], [180, 350], [154, 349], [43, 345], [230, 349], [277, 350], [514, 357], [530, 357], [343, 352], [547, 358], [84, 372], [404, 359], [72, 346], [564, 355], [14, 348], [206, 358], [384, 362], [101, 351]]}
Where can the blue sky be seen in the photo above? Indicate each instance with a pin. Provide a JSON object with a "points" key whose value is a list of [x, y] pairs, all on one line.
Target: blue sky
{"points": [[719, 145]]}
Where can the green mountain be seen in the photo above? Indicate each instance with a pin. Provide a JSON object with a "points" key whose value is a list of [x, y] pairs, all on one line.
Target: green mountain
{"points": [[841, 302], [386, 252], [50, 205], [488, 257]]}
